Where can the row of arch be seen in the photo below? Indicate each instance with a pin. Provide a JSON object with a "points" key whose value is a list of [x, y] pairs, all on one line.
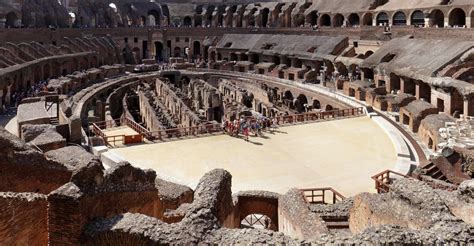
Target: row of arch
{"points": [[456, 17], [436, 17]]}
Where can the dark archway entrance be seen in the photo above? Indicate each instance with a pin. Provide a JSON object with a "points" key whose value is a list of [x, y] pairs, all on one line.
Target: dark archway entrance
{"points": [[399, 19], [196, 48], [417, 18], [457, 18], [354, 20], [382, 19], [325, 20], [158, 51]]}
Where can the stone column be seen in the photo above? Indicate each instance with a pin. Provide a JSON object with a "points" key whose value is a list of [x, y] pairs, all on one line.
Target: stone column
{"points": [[468, 106], [468, 21], [402, 85], [417, 90], [446, 21]]}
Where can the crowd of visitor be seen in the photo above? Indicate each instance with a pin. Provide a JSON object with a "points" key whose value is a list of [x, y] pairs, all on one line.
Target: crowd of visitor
{"points": [[32, 91], [248, 125]]}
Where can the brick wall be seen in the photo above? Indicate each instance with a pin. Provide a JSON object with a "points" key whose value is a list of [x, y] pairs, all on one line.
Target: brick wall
{"points": [[23, 219]]}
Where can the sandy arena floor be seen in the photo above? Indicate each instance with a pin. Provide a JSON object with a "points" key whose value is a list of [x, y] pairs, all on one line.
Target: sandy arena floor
{"points": [[342, 154]]}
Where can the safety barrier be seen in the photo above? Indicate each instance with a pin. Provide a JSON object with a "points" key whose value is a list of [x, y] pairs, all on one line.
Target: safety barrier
{"points": [[384, 179], [325, 195]]}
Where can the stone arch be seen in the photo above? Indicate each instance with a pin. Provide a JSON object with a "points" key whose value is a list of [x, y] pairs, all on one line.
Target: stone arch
{"points": [[298, 20], [154, 17], [368, 19], [288, 95], [472, 17], [338, 20], [12, 20], [436, 18], [341, 68], [329, 107], [368, 53], [354, 19], [312, 18], [301, 103], [457, 17], [187, 21], [316, 104], [399, 19], [325, 20], [382, 19], [233, 57], [417, 18], [261, 206]]}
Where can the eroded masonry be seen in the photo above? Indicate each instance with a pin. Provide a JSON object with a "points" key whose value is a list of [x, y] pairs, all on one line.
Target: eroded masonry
{"points": [[82, 79]]}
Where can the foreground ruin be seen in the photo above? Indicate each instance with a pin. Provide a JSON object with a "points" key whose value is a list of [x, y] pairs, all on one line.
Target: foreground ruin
{"points": [[81, 81]]}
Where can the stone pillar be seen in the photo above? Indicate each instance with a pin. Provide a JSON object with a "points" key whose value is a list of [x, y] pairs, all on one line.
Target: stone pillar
{"points": [[427, 22], [402, 85], [446, 21], [468, 106], [468, 21], [417, 90]]}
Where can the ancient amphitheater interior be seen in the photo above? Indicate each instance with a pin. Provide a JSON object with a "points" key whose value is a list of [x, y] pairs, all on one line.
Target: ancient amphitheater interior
{"points": [[149, 122]]}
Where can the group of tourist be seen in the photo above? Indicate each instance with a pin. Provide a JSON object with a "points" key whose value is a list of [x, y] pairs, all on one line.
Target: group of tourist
{"points": [[248, 125], [32, 91]]}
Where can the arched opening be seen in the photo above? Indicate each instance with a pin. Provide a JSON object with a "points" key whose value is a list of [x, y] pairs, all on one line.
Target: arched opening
{"points": [[254, 58], [382, 19], [154, 18], [325, 20], [198, 21], [158, 51], [313, 18], [338, 20], [367, 20], [354, 19], [417, 18], [196, 48], [187, 21], [316, 104], [219, 56], [472, 18], [298, 20], [12, 20], [457, 18], [329, 107], [301, 103], [265, 17], [233, 57], [387, 58], [399, 19], [368, 53], [436, 18]]}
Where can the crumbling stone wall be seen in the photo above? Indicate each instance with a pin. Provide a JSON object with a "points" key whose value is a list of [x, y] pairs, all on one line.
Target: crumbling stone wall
{"points": [[25, 169], [23, 219], [94, 194]]}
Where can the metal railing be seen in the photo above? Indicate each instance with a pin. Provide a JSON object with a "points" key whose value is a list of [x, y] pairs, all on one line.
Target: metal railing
{"points": [[180, 132], [384, 179], [184, 132], [324, 195]]}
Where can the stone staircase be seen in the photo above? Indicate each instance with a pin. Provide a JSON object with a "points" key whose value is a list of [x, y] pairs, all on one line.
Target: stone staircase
{"points": [[433, 171]]}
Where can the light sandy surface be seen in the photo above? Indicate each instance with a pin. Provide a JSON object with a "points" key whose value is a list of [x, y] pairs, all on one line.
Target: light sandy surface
{"points": [[342, 154]]}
